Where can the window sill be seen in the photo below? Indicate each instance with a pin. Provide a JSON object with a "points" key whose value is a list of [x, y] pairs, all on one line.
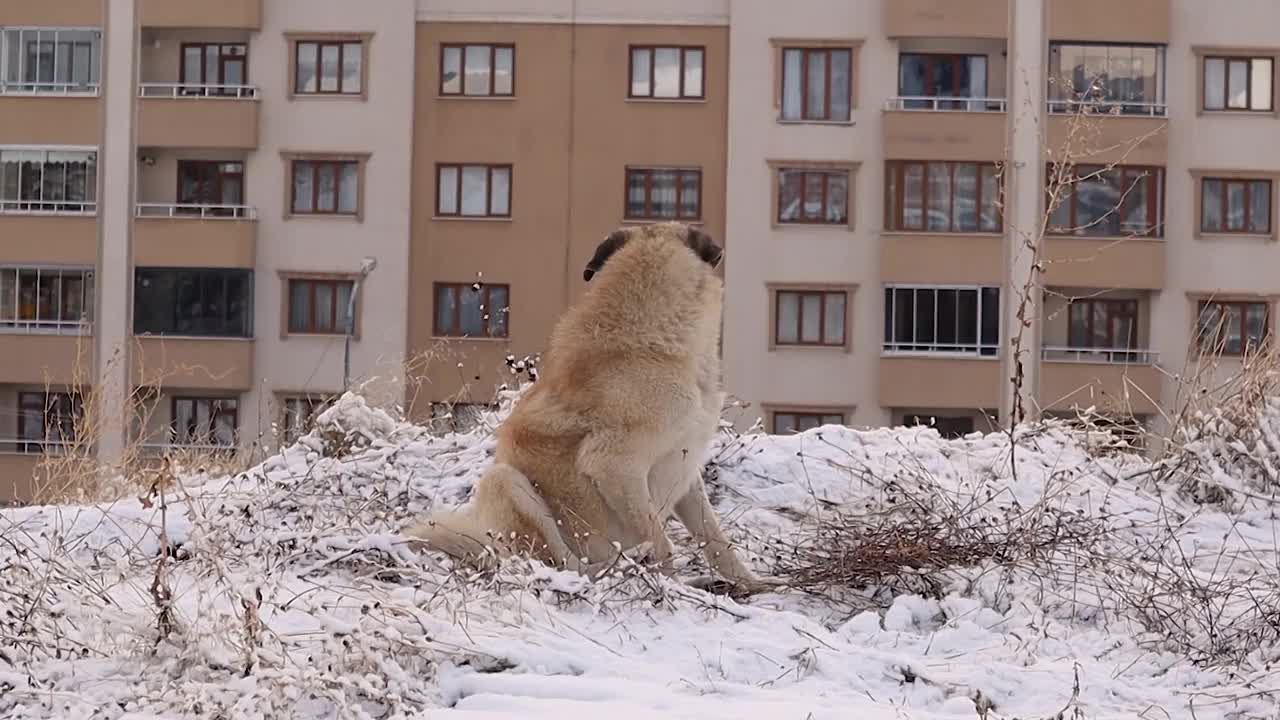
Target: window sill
{"points": [[938, 233], [49, 213], [95, 93], [483, 98], [1264, 114], [830, 123], [1247, 237], [472, 218], [290, 335], [151, 336], [776, 347], [1103, 238], [455, 338], [820, 227], [889, 354], [666, 101], [324, 216], [643, 221], [306, 97]]}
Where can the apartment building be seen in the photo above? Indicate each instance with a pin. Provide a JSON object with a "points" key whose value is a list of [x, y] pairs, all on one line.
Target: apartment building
{"points": [[886, 176]]}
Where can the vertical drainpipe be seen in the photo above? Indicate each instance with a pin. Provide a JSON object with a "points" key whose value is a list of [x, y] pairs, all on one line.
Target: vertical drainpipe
{"points": [[566, 290]]}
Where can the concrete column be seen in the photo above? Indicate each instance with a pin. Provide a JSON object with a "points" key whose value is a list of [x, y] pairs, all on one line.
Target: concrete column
{"points": [[114, 280], [1024, 188]]}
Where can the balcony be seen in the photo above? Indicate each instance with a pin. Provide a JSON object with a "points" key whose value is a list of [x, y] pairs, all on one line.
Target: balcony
{"points": [[46, 352], [1104, 262], [17, 475], [199, 363], [1109, 21], [239, 14], [65, 118], [175, 235], [67, 237], [946, 18], [1121, 380], [945, 381], [945, 128], [173, 115], [1105, 133], [929, 258]]}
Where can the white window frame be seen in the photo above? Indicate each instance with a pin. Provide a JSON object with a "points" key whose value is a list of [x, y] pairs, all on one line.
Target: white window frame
{"points": [[11, 206], [35, 326], [972, 350], [55, 89]]}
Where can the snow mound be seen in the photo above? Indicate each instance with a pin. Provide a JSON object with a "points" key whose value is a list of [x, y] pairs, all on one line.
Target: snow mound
{"points": [[287, 591]]}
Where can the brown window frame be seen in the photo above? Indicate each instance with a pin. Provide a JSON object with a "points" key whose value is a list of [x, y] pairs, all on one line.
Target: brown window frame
{"points": [[222, 60], [1155, 177], [805, 172], [796, 415], [1245, 341], [1226, 83], [310, 327], [216, 410], [653, 52], [213, 169], [320, 44], [822, 295], [805, 52], [896, 194], [456, 330], [934, 59], [1248, 205], [315, 165], [493, 69], [315, 405], [43, 404], [1114, 310], [488, 195], [649, 215]]}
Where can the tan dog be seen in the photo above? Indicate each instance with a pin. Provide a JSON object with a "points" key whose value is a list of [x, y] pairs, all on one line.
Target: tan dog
{"points": [[611, 440]]}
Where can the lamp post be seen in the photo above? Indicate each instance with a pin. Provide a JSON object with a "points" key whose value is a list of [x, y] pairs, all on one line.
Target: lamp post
{"points": [[366, 266]]}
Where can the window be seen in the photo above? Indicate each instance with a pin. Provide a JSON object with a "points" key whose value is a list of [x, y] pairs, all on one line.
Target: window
{"points": [[300, 415], [52, 180], [949, 428], [788, 422], [47, 418], [326, 187], [214, 68], [45, 299], [962, 320], [473, 191], [1110, 202], [205, 421], [193, 302], [205, 183], [667, 72], [942, 197], [817, 84], [810, 317], [813, 196], [319, 306], [472, 310], [1238, 83], [1232, 328], [929, 75], [478, 70], [1128, 79], [663, 194], [1103, 325], [328, 67], [1235, 206], [49, 60]]}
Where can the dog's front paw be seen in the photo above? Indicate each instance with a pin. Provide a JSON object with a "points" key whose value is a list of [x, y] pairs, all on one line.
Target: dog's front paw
{"points": [[735, 588]]}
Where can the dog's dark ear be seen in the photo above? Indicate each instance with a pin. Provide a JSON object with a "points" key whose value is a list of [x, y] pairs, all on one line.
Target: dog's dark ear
{"points": [[702, 245], [607, 247]]}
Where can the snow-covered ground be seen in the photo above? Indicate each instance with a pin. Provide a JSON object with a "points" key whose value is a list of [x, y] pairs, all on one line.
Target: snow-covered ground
{"points": [[289, 594]]}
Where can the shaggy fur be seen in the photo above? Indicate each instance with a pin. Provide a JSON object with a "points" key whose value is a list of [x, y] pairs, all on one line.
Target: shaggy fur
{"points": [[611, 440]]}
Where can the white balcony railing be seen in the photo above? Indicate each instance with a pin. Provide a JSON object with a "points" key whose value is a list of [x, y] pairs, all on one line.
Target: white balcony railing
{"points": [[1117, 108], [940, 350], [1106, 356], [195, 212], [37, 447], [12, 326], [48, 207], [163, 448], [55, 89], [189, 90], [933, 103]]}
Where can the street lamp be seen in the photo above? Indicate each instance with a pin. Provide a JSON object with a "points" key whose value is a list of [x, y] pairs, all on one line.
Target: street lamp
{"points": [[366, 266]]}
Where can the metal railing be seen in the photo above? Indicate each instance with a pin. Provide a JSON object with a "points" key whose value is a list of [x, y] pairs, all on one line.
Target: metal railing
{"points": [[161, 448], [1119, 108], [10, 326], [201, 212], [949, 350], [934, 103], [1105, 356], [48, 88], [36, 447], [47, 207], [193, 90]]}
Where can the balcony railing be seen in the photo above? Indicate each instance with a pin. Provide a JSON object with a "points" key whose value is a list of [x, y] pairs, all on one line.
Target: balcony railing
{"points": [[940, 350], [154, 449], [1118, 108], [47, 207], [1106, 356], [202, 212], [56, 89], [189, 90], [934, 103], [10, 326], [36, 446]]}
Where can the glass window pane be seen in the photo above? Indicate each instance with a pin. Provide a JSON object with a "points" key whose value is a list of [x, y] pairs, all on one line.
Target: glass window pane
{"points": [[498, 311], [503, 71], [1260, 206], [475, 183], [925, 316], [1260, 84], [840, 85], [302, 187], [693, 73], [1097, 197], [948, 327], [784, 423], [913, 197], [690, 194], [446, 306], [636, 194], [790, 193], [477, 70], [1137, 218], [447, 190], [1215, 90], [838, 197], [342, 306], [990, 309], [1238, 84], [990, 210], [976, 76], [1235, 206], [811, 318], [904, 318], [1211, 206], [472, 317], [814, 190], [662, 194], [939, 219], [640, 58], [1234, 327], [299, 305], [788, 317], [193, 67], [349, 188], [791, 84], [833, 329], [329, 68], [326, 181], [816, 76], [352, 62], [500, 193], [666, 72], [452, 71], [965, 210], [1256, 322], [324, 307]]}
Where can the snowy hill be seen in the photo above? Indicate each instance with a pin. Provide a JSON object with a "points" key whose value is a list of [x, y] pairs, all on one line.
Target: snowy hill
{"points": [[1069, 581]]}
